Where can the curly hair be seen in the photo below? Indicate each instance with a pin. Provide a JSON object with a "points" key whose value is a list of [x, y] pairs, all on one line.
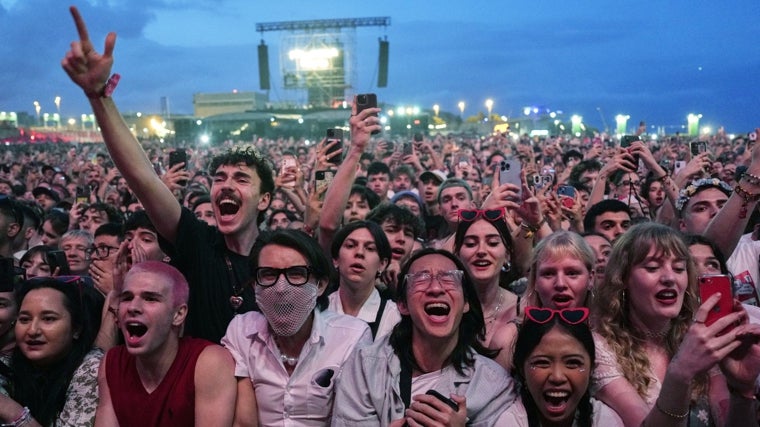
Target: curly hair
{"points": [[251, 158], [612, 312]]}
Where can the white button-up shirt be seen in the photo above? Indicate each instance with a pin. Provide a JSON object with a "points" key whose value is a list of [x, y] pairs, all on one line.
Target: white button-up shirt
{"points": [[368, 312], [306, 397]]}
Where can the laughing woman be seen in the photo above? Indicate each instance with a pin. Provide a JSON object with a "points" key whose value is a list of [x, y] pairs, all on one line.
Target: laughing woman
{"points": [[360, 252], [554, 356]]}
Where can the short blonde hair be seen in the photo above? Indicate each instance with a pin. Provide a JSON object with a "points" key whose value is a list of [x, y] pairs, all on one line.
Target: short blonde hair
{"points": [[559, 244]]}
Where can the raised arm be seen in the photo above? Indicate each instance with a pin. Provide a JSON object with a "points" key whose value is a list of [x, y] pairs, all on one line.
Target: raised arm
{"points": [[729, 223], [90, 71], [362, 124]]}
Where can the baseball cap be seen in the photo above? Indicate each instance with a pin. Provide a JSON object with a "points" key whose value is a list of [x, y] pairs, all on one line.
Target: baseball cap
{"points": [[434, 174], [46, 191]]}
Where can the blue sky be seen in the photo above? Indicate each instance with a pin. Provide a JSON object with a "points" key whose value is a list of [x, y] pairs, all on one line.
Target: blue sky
{"points": [[653, 60]]}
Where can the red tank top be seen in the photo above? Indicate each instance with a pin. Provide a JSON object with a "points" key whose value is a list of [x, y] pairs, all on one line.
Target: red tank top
{"points": [[172, 403]]}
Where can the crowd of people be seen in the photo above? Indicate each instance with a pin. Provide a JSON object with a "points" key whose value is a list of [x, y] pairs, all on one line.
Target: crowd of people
{"points": [[377, 280]]}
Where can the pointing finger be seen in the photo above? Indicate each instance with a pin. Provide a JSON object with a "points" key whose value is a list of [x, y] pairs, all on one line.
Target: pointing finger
{"points": [[84, 37]]}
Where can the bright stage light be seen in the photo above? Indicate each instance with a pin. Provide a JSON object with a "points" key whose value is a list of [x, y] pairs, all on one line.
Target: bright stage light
{"points": [[313, 59]]}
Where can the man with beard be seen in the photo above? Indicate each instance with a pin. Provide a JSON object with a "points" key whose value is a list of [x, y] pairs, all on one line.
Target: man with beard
{"points": [[214, 260], [156, 377]]}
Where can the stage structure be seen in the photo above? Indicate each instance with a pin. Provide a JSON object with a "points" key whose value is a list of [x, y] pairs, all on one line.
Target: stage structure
{"points": [[317, 57]]}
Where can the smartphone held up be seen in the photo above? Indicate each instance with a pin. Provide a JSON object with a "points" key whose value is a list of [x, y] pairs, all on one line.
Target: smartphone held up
{"points": [[365, 101]]}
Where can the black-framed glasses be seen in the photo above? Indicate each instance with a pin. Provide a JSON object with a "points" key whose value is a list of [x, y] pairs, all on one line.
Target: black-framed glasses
{"points": [[296, 275], [449, 280], [102, 251], [571, 316], [470, 215]]}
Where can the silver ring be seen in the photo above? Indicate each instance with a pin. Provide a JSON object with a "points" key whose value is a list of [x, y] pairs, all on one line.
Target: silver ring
{"points": [[694, 320]]}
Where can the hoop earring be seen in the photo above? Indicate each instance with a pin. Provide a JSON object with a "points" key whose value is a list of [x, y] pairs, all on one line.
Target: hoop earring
{"points": [[506, 267]]}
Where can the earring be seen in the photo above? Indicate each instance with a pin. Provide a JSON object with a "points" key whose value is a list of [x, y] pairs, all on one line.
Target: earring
{"points": [[506, 267], [378, 274]]}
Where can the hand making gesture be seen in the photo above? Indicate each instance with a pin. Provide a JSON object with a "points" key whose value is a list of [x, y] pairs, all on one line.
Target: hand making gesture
{"points": [[86, 67]]}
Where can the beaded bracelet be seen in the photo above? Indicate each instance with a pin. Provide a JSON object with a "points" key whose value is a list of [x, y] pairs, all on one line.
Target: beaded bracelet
{"points": [[670, 414], [752, 179], [747, 198]]}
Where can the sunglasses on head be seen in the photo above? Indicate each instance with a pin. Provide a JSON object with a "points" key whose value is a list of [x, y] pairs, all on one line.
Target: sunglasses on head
{"points": [[571, 316], [470, 215]]}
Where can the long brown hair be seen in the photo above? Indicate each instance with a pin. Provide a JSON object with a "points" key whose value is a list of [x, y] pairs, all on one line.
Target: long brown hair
{"points": [[612, 311]]}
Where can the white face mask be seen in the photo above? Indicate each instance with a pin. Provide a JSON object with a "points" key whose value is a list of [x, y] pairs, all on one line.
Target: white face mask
{"points": [[286, 307]]}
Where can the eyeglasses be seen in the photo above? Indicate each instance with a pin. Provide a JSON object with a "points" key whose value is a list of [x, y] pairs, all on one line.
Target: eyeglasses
{"points": [[470, 215], [571, 316], [103, 251], [449, 280], [296, 275], [631, 183]]}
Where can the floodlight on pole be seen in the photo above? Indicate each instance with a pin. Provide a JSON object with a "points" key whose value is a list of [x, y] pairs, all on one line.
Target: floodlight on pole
{"points": [[37, 108]]}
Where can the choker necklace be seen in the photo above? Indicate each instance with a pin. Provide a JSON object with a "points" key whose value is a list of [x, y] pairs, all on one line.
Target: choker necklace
{"points": [[660, 334]]}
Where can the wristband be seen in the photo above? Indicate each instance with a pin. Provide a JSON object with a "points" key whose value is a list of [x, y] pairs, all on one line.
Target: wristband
{"points": [[110, 86]]}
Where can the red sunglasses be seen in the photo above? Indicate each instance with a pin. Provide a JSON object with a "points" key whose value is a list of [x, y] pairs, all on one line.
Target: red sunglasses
{"points": [[471, 215], [571, 316]]}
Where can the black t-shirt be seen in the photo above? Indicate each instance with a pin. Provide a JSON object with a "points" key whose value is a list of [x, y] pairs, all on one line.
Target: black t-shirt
{"points": [[201, 255]]}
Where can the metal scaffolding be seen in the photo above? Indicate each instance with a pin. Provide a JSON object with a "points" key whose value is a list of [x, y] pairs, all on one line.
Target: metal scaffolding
{"points": [[318, 56]]}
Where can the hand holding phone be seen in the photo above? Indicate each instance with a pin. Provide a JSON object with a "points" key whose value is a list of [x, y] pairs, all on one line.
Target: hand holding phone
{"points": [[566, 195], [710, 285], [57, 259], [510, 172], [453, 405], [365, 101], [697, 147]]}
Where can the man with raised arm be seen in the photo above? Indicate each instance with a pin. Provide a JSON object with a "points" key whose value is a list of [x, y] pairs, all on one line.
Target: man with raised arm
{"points": [[214, 260]]}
